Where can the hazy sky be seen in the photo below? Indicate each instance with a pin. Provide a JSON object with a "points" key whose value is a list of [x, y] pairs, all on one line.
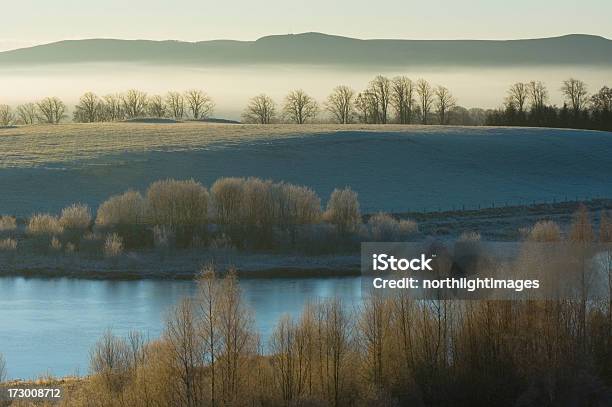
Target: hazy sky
{"points": [[38, 21]]}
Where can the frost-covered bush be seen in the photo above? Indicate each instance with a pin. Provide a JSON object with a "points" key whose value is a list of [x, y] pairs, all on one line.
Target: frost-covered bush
{"points": [[302, 206], [469, 237], [227, 199], [7, 223], [55, 244], [44, 224], [125, 209], [343, 210], [75, 217], [8, 245], [382, 227], [113, 245], [162, 236], [408, 227], [545, 231], [177, 203], [253, 201]]}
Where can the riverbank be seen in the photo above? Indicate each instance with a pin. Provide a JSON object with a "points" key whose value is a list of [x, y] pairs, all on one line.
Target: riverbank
{"points": [[493, 224]]}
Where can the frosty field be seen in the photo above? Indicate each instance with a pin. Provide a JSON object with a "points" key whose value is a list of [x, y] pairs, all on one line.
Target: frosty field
{"points": [[393, 168]]}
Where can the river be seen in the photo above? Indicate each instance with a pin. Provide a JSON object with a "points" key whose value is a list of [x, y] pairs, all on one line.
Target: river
{"points": [[50, 325]]}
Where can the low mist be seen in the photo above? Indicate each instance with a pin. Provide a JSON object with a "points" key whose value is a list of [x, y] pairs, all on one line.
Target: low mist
{"points": [[231, 87]]}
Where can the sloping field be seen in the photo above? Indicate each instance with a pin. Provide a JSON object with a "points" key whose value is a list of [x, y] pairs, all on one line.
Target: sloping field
{"points": [[394, 168]]}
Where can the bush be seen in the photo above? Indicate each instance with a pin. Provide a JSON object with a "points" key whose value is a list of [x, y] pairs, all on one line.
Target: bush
{"points": [[181, 205], [303, 205], [469, 237], [227, 200], [7, 223], [55, 245], [545, 231], [75, 217], [177, 203], [113, 245], [126, 215], [44, 224], [383, 227], [408, 227], [343, 210], [125, 209], [8, 245]]}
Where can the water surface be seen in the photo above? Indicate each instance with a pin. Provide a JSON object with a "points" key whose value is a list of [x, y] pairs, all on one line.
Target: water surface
{"points": [[49, 325]]}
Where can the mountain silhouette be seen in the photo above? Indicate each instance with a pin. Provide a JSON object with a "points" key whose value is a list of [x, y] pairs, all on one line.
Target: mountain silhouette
{"points": [[323, 49]]}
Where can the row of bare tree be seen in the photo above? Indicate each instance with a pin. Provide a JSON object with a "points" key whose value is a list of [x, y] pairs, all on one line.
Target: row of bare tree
{"points": [[397, 100], [194, 104]]}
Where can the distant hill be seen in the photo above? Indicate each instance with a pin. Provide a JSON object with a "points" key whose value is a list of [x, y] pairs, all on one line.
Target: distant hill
{"points": [[316, 48]]}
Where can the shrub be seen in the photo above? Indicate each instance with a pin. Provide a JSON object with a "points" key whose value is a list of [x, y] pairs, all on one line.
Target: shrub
{"points": [[383, 227], [469, 237], [44, 224], [227, 197], [8, 245], [544, 231], [55, 244], [177, 203], [258, 207], [7, 223], [408, 226], [113, 245], [76, 217], [162, 236], [303, 205], [343, 210], [125, 209]]}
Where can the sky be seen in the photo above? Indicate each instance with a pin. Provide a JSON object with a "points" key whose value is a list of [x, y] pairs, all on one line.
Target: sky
{"points": [[43, 21]]}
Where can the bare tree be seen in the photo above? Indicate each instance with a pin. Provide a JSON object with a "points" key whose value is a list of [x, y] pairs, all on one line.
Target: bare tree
{"points": [[6, 115], [185, 346], [575, 92], [444, 102], [52, 110], [110, 359], [299, 107], [113, 108], [602, 100], [367, 107], [402, 98], [200, 104], [157, 107], [238, 342], [340, 104], [380, 88], [261, 109], [517, 96], [538, 95], [89, 109], [28, 113], [426, 98], [176, 105], [208, 311], [134, 103], [288, 349]]}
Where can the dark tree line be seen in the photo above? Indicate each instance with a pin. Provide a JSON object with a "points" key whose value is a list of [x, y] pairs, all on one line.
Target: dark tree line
{"points": [[527, 104]]}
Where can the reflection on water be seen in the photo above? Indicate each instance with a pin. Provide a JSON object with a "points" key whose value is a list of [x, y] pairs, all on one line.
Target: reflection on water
{"points": [[49, 325]]}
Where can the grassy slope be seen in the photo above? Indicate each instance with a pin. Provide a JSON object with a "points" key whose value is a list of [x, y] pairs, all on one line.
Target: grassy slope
{"points": [[41, 144]]}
